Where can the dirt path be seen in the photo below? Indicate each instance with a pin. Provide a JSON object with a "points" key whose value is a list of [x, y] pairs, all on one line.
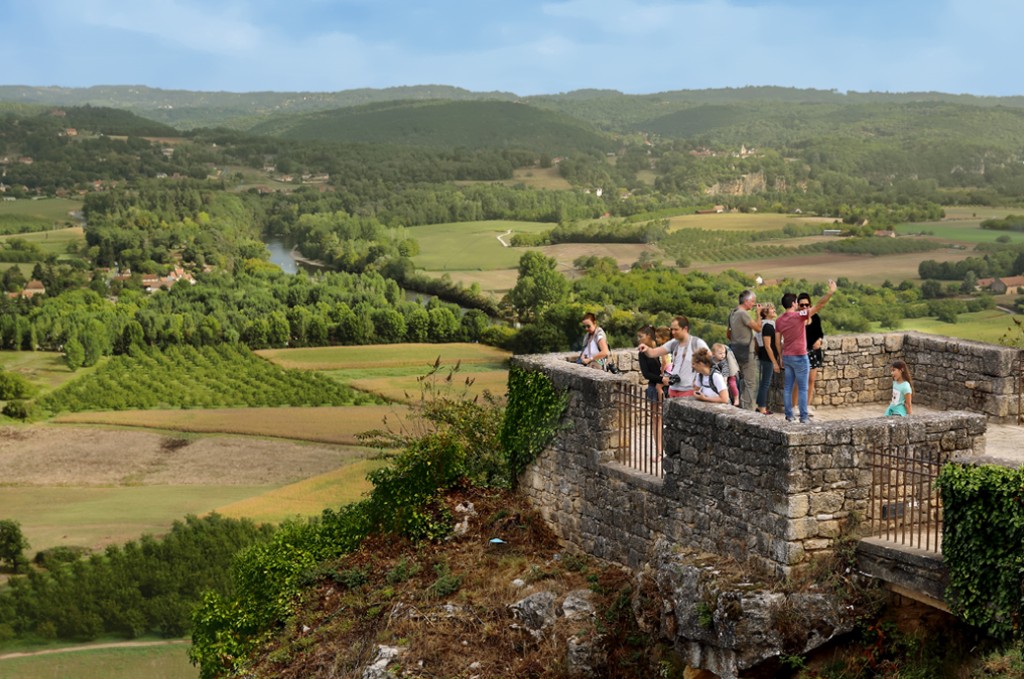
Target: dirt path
{"points": [[93, 647]]}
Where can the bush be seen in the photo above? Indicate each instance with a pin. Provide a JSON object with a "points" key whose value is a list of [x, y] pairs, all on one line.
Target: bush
{"points": [[19, 410], [14, 386], [55, 557]]}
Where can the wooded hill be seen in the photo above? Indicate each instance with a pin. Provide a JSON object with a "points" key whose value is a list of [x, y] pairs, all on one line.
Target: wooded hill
{"points": [[444, 124]]}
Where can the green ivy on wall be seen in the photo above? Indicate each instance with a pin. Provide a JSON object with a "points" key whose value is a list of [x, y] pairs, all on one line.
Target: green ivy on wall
{"points": [[983, 546], [532, 416]]}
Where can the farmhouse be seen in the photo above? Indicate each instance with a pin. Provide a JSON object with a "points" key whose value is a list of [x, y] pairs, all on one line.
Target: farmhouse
{"points": [[1007, 285], [32, 288]]}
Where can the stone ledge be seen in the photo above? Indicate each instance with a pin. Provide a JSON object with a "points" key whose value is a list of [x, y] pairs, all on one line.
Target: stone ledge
{"points": [[910, 568]]}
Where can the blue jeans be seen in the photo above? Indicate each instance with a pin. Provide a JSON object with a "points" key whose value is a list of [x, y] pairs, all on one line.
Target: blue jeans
{"points": [[798, 368], [765, 383]]}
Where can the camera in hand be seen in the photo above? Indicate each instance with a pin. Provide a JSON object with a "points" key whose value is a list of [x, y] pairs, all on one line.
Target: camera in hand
{"points": [[673, 380]]}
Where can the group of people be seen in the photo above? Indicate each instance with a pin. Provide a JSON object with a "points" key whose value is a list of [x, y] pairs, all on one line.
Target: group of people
{"points": [[761, 344]]}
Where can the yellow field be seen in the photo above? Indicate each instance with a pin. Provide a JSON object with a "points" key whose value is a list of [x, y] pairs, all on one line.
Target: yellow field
{"points": [[407, 389], [306, 498], [338, 424], [384, 356], [738, 221], [533, 177], [822, 266]]}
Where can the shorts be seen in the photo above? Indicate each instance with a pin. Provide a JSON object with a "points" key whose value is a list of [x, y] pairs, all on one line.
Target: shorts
{"points": [[676, 393], [653, 393], [816, 357]]}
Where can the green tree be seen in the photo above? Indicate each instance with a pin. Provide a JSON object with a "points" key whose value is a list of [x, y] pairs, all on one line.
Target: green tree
{"points": [[12, 546], [74, 353], [13, 280], [538, 286]]}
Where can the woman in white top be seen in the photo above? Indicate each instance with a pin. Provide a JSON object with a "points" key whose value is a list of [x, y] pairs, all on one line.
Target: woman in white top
{"points": [[595, 345], [709, 385]]}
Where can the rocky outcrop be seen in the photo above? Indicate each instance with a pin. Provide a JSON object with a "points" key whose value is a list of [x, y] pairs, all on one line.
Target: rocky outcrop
{"points": [[724, 623]]}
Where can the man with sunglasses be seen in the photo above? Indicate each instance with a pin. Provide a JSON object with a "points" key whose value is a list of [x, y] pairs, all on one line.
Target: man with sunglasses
{"points": [[791, 327], [815, 355]]}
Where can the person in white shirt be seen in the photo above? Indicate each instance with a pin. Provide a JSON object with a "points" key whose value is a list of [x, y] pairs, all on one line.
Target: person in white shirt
{"points": [[682, 346]]}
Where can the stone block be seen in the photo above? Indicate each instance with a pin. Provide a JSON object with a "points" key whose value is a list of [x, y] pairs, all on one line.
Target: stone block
{"points": [[825, 502]]}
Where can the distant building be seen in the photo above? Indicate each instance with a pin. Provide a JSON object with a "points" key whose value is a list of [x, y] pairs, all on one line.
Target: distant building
{"points": [[1007, 285]]}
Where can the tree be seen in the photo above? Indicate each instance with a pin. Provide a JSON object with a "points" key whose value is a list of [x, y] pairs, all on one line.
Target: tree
{"points": [[539, 285], [12, 546], [74, 353], [13, 279], [931, 289]]}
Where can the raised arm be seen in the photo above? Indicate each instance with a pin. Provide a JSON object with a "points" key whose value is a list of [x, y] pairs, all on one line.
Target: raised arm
{"points": [[824, 300]]}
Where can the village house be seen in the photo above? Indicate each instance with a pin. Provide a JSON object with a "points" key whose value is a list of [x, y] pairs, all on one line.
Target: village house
{"points": [[32, 288], [1007, 285]]}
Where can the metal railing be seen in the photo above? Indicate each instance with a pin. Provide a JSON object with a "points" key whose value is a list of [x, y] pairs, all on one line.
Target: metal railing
{"points": [[905, 506], [640, 429]]}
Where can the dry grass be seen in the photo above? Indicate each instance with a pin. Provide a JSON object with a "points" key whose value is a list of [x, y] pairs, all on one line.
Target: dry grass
{"points": [[738, 221], [85, 456], [384, 356], [407, 389], [822, 266], [308, 497], [329, 424]]}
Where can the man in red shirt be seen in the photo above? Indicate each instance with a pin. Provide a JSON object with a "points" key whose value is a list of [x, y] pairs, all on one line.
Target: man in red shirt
{"points": [[791, 328]]}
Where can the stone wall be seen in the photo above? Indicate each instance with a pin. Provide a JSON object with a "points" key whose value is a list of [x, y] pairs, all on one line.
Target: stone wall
{"points": [[948, 373], [735, 483]]}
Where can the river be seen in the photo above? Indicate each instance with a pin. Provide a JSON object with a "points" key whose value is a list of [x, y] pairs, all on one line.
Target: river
{"points": [[281, 255]]}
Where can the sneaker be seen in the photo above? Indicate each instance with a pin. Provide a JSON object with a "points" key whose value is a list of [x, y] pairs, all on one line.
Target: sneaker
{"points": [[790, 419], [807, 421], [810, 409]]}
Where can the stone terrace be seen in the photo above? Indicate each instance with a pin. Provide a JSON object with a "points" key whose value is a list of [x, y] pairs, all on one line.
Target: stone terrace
{"points": [[757, 488]]}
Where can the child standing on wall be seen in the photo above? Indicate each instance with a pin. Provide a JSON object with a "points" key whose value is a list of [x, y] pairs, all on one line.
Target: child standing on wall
{"points": [[902, 390]]}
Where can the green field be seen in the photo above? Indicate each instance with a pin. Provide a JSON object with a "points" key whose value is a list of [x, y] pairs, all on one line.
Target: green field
{"points": [[56, 210], [470, 246], [983, 326], [95, 517], [45, 369], [149, 660], [964, 231], [52, 242]]}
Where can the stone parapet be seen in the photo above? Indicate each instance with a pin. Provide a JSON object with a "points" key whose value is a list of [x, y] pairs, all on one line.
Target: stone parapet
{"points": [[734, 482]]}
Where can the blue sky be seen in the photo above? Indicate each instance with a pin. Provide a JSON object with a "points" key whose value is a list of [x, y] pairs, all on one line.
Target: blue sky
{"points": [[520, 46]]}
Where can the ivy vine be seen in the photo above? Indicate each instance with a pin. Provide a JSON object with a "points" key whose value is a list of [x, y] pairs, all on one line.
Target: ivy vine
{"points": [[532, 417], [983, 546]]}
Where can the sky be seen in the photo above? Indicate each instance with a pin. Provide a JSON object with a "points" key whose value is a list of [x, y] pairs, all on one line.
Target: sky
{"points": [[521, 46]]}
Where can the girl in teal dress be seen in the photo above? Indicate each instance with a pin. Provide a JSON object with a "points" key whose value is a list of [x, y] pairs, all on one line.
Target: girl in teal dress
{"points": [[902, 390]]}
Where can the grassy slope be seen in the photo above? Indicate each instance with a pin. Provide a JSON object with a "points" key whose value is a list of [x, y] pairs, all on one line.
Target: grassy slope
{"points": [[161, 659]]}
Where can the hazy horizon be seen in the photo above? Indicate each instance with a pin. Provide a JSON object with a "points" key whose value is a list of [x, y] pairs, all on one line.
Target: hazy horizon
{"points": [[532, 47]]}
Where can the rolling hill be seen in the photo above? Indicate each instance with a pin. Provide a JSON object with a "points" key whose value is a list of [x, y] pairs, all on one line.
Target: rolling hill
{"points": [[444, 124]]}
